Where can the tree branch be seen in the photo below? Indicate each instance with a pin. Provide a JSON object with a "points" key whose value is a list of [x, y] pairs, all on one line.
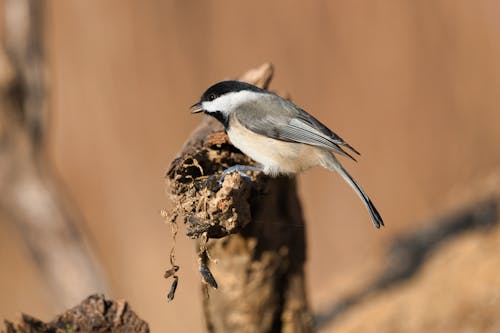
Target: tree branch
{"points": [[30, 198]]}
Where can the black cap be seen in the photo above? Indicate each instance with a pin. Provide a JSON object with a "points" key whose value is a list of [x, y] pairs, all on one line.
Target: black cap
{"points": [[225, 87]]}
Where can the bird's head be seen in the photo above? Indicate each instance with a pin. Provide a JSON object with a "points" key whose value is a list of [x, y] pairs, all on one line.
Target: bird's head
{"points": [[223, 98]]}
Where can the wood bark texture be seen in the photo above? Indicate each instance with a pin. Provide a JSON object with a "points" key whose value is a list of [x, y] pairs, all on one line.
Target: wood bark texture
{"points": [[95, 314]]}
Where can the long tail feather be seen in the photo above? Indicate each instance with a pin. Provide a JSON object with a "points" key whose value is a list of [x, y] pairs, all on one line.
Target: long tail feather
{"points": [[333, 164]]}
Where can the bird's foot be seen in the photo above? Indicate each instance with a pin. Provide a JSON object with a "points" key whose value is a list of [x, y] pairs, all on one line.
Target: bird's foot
{"points": [[240, 169]]}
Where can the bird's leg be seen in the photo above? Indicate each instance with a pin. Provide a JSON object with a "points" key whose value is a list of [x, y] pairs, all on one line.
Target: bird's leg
{"points": [[241, 170]]}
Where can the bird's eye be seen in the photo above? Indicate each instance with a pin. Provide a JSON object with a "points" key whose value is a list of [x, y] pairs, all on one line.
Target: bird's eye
{"points": [[211, 97]]}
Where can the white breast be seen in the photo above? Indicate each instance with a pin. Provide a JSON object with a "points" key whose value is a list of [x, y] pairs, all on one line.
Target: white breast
{"points": [[276, 156]]}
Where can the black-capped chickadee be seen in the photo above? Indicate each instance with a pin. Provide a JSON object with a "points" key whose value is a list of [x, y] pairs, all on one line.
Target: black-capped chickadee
{"points": [[277, 134]]}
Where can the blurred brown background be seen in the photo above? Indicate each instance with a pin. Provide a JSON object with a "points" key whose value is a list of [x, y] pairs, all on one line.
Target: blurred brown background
{"points": [[413, 85]]}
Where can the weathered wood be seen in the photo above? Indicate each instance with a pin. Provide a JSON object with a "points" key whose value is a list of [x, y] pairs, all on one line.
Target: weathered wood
{"points": [[253, 233], [94, 314]]}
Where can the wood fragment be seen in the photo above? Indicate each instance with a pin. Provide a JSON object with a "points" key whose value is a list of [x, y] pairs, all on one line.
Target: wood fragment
{"points": [[94, 315], [173, 288]]}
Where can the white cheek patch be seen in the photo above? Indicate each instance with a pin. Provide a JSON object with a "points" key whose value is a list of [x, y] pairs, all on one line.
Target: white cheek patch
{"points": [[228, 102], [210, 106]]}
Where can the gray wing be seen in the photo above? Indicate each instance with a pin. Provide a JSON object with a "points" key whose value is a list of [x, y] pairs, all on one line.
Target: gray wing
{"points": [[282, 120]]}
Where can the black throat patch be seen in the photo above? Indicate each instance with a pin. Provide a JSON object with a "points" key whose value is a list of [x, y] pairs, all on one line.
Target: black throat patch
{"points": [[220, 117]]}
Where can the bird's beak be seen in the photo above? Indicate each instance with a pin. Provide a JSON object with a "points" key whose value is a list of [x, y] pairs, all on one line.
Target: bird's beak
{"points": [[196, 108]]}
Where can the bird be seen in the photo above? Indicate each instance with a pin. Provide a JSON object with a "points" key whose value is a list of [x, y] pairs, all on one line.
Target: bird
{"points": [[277, 134]]}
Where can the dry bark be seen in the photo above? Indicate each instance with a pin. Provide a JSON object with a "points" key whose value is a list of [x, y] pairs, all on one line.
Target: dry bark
{"points": [[256, 232], [94, 314], [30, 198]]}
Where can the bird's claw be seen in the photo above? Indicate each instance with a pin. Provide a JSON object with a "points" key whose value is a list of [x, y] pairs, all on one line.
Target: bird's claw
{"points": [[246, 177], [240, 169]]}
